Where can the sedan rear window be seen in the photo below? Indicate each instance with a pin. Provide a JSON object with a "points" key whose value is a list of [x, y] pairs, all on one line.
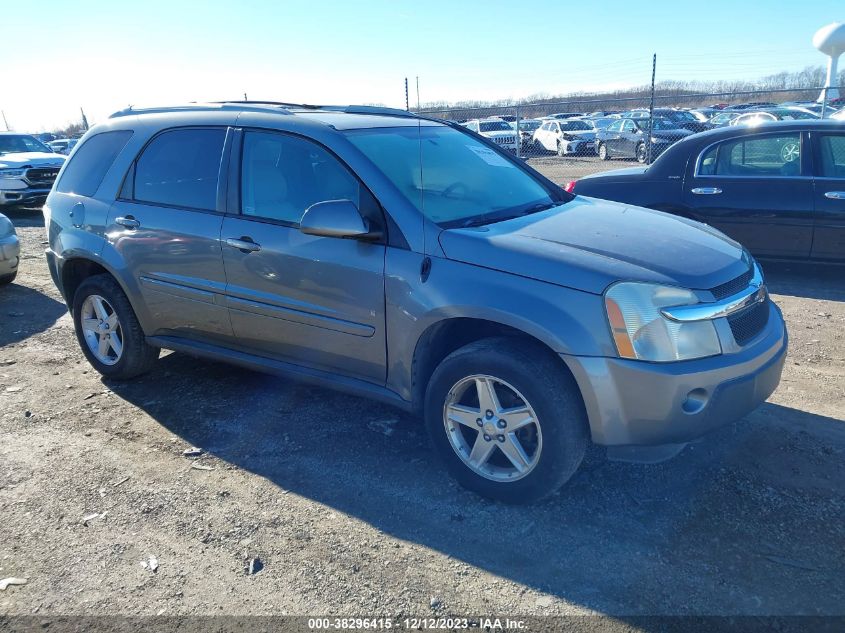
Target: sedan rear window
{"points": [[762, 156]]}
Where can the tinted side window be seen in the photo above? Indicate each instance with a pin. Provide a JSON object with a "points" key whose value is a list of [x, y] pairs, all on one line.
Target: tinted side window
{"points": [[282, 175], [762, 156], [180, 168], [833, 156], [92, 160]]}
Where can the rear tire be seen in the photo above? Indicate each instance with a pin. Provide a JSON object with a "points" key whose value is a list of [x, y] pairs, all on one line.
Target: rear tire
{"points": [[539, 423], [560, 151], [603, 154], [100, 296], [640, 153]]}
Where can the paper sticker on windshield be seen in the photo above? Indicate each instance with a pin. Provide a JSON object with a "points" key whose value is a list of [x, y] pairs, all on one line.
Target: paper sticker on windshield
{"points": [[489, 156]]}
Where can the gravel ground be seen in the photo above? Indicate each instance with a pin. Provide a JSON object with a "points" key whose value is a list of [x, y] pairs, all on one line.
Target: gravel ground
{"points": [[344, 510]]}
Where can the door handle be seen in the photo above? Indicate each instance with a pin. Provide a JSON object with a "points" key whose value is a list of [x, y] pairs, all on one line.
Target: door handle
{"points": [[243, 244], [129, 222], [706, 191], [835, 195]]}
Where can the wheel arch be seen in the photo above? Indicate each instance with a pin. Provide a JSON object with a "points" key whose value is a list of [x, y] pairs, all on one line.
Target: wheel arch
{"points": [[445, 336], [77, 267]]}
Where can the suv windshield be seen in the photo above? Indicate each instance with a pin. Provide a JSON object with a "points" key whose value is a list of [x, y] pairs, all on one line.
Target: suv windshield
{"points": [[451, 178], [16, 143], [494, 126]]}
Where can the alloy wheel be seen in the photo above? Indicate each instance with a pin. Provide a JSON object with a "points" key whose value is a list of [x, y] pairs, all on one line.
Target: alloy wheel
{"points": [[101, 329], [492, 428]]}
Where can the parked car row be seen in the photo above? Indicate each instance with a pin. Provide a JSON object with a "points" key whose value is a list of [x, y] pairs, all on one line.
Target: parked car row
{"points": [[632, 134]]}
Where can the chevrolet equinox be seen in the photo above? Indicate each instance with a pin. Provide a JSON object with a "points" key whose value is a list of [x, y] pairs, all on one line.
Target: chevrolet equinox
{"points": [[416, 262]]}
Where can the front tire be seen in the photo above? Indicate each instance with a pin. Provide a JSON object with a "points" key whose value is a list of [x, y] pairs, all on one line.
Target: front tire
{"points": [[108, 330], [507, 419], [603, 154]]}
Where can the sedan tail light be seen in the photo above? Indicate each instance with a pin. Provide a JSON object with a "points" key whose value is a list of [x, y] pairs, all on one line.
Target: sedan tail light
{"points": [[570, 186]]}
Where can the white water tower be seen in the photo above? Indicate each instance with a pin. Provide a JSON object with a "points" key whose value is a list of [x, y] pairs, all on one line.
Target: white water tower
{"points": [[830, 40]]}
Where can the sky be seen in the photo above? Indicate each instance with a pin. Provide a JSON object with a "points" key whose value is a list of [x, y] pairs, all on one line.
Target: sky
{"points": [[103, 56]]}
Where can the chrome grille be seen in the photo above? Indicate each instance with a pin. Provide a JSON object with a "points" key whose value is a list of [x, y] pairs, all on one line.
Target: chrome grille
{"points": [[750, 322], [733, 286], [42, 176]]}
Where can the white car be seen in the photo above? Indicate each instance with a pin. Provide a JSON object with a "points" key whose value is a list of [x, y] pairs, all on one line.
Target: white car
{"points": [[565, 137], [28, 169], [63, 145], [497, 130]]}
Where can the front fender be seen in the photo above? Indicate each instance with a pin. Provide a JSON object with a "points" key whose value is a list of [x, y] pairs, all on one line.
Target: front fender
{"points": [[567, 321]]}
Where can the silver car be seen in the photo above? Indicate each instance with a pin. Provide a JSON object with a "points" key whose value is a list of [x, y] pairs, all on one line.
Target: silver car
{"points": [[414, 262], [10, 251]]}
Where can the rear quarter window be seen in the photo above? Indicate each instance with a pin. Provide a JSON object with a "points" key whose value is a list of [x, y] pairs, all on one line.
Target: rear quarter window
{"points": [[88, 166]]}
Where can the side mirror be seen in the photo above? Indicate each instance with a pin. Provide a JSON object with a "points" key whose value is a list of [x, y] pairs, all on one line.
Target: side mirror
{"points": [[335, 218]]}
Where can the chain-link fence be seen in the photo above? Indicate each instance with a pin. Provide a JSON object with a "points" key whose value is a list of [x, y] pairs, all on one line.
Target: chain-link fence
{"points": [[566, 140]]}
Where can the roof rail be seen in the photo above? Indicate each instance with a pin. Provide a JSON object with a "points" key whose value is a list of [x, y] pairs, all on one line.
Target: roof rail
{"points": [[199, 107], [277, 107]]}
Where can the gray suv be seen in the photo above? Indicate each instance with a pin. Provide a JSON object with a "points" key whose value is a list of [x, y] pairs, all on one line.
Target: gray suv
{"points": [[414, 262]]}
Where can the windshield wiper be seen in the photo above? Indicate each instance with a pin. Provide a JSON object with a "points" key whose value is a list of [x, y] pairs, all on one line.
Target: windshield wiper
{"points": [[491, 218]]}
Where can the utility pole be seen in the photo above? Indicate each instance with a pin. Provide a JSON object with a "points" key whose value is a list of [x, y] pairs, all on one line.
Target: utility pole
{"points": [[407, 106], [651, 111], [418, 93], [5, 122]]}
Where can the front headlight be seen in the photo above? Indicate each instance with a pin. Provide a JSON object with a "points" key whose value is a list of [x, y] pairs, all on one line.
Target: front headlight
{"points": [[6, 227], [11, 173], [640, 330]]}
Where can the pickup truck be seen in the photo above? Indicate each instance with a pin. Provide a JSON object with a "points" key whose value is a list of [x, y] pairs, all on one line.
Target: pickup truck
{"points": [[28, 169]]}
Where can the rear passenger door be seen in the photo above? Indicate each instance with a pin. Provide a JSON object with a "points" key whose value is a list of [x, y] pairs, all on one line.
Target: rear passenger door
{"points": [[628, 139], [314, 301], [611, 136], [166, 228], [829, 196], [756, 189]]}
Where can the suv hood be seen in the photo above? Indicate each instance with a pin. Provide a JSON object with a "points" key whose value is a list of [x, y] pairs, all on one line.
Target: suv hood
{"points": [[589, 243], [31, 159]]}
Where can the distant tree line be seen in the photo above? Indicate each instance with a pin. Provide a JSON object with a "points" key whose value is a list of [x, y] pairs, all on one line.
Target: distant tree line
{"points": [[802, 85]]}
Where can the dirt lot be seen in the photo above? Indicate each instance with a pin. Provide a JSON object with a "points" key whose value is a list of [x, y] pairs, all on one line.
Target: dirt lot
{"points": [[350, 513]]}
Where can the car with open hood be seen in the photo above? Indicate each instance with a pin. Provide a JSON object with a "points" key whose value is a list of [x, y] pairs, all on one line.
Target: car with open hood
{"points": [[418, 263]]}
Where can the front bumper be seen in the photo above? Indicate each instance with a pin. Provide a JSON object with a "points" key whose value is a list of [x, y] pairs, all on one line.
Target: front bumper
{"points": [[632, 402], [10, 251], [578, 147], [24, 195]]}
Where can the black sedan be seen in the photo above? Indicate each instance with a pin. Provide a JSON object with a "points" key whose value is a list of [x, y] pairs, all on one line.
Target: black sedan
{"points": [[777, 188], [628, 138]]}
